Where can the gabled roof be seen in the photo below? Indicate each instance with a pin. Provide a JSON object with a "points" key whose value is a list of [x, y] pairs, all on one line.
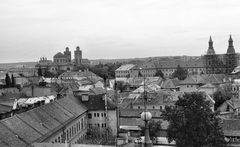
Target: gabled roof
{"points": [[208, 85], [170, 83], [234, 103], [193, 79]]}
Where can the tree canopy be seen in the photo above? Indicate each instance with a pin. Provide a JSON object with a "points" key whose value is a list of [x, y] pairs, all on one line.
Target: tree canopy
{"points": [[180, 73], [7, 80], [154, 128], [40, 71], [192, 122], [13, 82], [159, 73], [222, 94]]}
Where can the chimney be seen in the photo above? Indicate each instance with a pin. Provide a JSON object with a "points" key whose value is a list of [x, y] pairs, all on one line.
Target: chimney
{"points": [[42, 102], [2, 116], [85, 97]]}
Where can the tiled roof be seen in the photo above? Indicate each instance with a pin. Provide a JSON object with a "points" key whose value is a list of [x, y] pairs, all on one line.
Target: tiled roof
{"points": [[230, 127], [183, 64], [10, 138], [208, 85], [5, 108], [171, 83], [125, 67], [96, 102], [144, 66], [19, 127]]}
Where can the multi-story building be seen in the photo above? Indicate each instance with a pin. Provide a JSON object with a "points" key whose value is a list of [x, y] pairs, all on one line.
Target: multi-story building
{"points": [[55, 122], [192, 66], [101, 115], [124, 71], [146, 69], [220, 63]]}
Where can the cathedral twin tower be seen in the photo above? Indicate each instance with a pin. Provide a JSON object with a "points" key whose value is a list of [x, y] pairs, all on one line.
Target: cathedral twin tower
{"points": [[220, 63]]}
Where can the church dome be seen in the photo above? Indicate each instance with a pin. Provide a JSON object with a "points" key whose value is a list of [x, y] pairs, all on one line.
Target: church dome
{"points": [[59, 55]]}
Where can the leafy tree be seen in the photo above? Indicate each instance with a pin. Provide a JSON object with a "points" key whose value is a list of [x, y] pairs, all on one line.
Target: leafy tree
{"points": [[180, 73], [40, 71], [192, 123], [154, 128], [13, 82], [7, 80], [222, 94], [95, 136], [48, 74], [159, 73]]}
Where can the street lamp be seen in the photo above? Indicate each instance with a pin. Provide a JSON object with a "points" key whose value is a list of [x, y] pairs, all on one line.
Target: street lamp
{"points": [[146, 117]]}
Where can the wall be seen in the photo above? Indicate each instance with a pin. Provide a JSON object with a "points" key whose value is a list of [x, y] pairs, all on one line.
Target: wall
{"points": [[188, 88], [75, 132], [98, 120]]}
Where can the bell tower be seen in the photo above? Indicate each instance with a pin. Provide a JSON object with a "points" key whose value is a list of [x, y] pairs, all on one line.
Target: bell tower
{"points": [[78, 55]]}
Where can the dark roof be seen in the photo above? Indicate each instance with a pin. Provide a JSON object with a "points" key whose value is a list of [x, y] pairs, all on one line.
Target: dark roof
{"points": [[20, 128], [10, 138], [96, 102], [5, 108], [230, 127], [59, 55]]}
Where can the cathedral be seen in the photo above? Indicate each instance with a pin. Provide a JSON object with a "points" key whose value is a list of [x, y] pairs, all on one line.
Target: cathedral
{"points": [[63, 61], [220, 63]]}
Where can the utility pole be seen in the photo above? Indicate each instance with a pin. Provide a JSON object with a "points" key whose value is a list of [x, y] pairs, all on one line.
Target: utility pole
{"points": [[106, 110]]}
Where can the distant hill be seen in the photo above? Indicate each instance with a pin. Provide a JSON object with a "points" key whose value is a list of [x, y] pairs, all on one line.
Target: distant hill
{"points": [[4, 66]]}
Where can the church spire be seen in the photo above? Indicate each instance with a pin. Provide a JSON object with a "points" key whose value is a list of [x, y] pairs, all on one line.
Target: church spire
{"points": [[210, 47], [230, 49]]}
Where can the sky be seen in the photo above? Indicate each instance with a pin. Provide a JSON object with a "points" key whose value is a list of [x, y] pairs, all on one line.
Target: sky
{"points": [[111, 29]]}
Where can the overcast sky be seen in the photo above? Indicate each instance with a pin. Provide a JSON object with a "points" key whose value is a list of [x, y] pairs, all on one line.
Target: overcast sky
{"points": [[30, 29]]}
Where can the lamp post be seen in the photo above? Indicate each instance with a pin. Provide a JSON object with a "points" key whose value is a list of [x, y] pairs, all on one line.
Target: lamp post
{"points": [[146, 116]]}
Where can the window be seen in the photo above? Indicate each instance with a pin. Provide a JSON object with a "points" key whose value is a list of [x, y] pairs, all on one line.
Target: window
{"points": [[160, 107], [153, 107], [97, 114], [102, 114], [139, 107], [90, 115]]}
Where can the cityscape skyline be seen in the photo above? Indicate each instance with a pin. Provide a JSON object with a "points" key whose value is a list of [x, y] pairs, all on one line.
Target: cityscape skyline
{"points": [[116, 29]]}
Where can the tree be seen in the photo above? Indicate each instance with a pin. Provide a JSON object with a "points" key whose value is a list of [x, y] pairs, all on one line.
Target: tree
{"points": [[154, 128], [40, 71], [222, 94], [159, 73], [192, 122], [13, 83], [180, 73], [7, 80]]}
